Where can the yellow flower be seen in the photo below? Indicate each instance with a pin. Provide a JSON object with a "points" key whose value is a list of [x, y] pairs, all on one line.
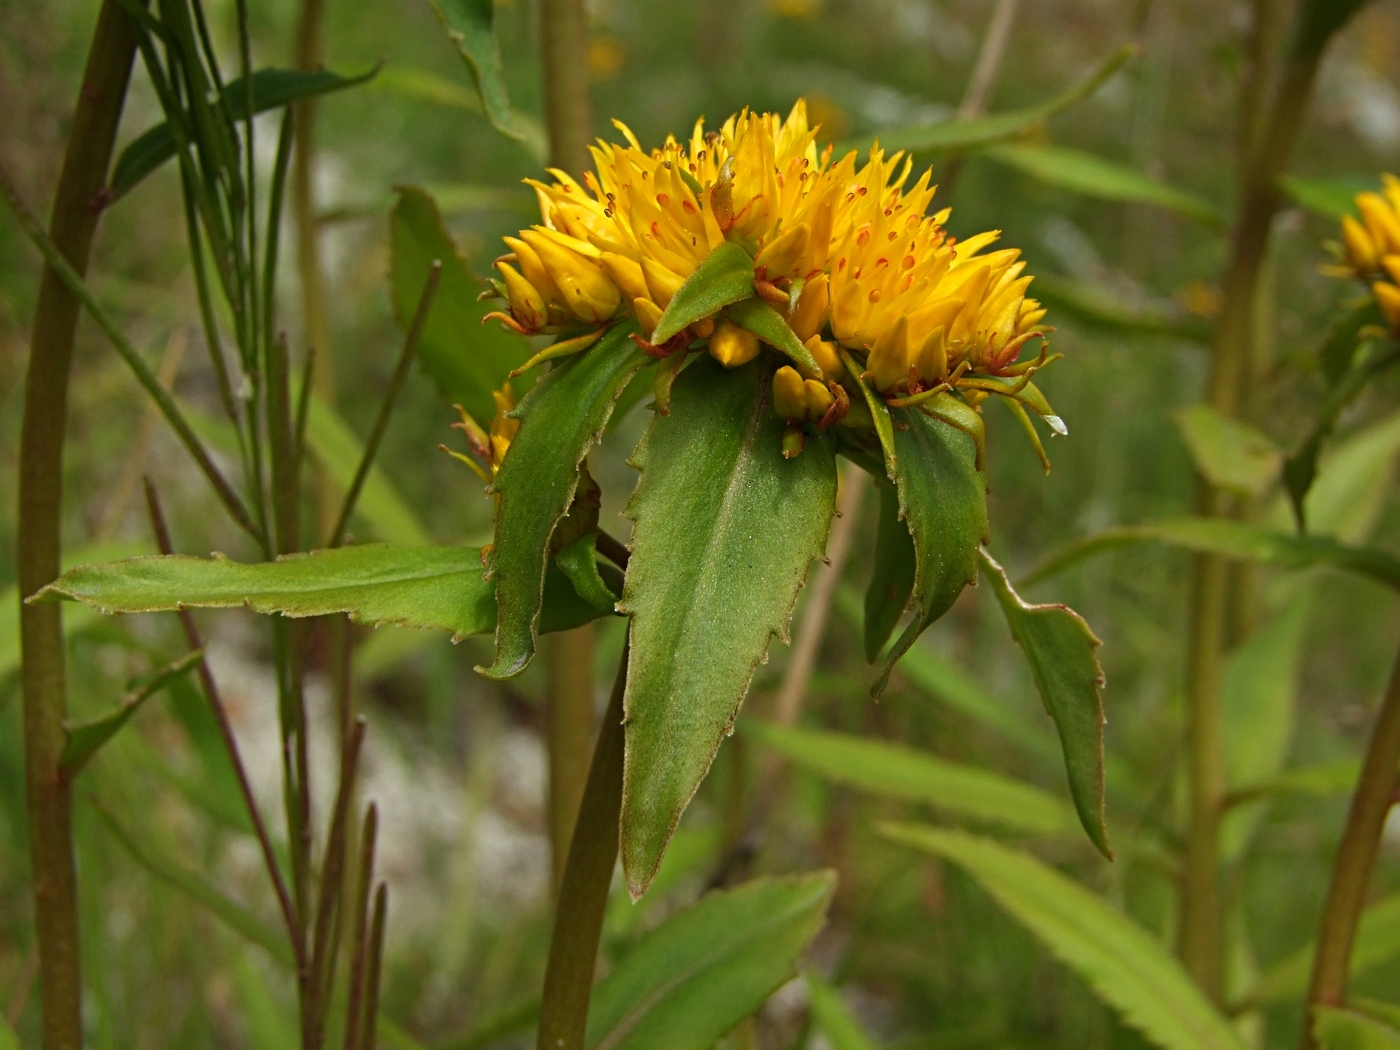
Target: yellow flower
{"points": [[1371, 246], [488, 445]]}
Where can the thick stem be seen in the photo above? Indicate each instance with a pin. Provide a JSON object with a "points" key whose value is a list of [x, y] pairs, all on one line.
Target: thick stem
{"points": [[583, 895], [75, 211], [1356, 855], [568, 109]]}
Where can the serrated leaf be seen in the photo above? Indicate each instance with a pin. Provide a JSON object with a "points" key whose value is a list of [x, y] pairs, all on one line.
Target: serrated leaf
{"points": [[438, 588], [1231, 539], [1377, 942], [943, 501], [469, 24], [724, 276], [765, 322], [894, 771], [84, 739], [1339, 1029], [1128, 969], [956, 135], [833, 1018], [726, 529], [700, 973], [467, 359], [1228, 453], [272, 89], [892, 577], [560, 419], [1059, 647]]}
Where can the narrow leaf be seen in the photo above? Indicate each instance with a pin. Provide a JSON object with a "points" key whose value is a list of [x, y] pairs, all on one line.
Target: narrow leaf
{"points": [[1228, 453], [1129, 970], [955, 135], [1339, 1029], [560, 419], [469, 25], [702, 972], [439, 588], [765, 322], [724, 276], [943, 501], [895, 771], [892, 578], [271, 89], [467, 359], [833, 1017], [84, 739], [879, 414], [726, 529], [1233, 540], [1059, 647], [1094, 176]]}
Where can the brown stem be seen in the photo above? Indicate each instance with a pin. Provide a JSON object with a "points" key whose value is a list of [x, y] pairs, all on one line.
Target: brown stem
{"points": [[1356, 856], [583, 895], [38, 554], [568, 109]]}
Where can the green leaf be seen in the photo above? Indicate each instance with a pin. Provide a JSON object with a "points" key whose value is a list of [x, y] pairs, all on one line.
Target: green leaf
{"points": [[560, 419], [469, 25], [943, 501], [1105, 309], [579, 562], [765, 322], [1352, 488], [466, 358], [1330, 198], [954, 135], [1317, 20], [1229, 454], [82, 740], [702, 972], [439, 588], [725, 531], [1377, 942], [1128, 969], [1093, 176], [895, 771], [724, 276], [338, 451], [272, 89], [879, 413], [1232, 539], [892, 578], [1339, 1029], [833, 1018], [422, 85], [1059, 647], [267, 1022]]}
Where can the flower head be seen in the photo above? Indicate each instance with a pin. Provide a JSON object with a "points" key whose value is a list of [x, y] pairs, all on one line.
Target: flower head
{"points": [[1370, 248]]}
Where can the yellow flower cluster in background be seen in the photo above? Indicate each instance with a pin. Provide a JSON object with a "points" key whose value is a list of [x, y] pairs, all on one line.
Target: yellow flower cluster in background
{"points": [[1371, 246], [846, 252]]}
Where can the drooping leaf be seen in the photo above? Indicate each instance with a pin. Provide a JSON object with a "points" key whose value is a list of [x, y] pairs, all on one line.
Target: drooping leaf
{"points": [[894, 771], [337, 451], [943, 501], [725, 531], [423, 85], [892, 578], [833, 1017], [467, 359], [765, 322], [272, 89], [702, 972], [1232, 539], [579, 562], [1377, 942], [1094, 176], [84, 739], [954, 135], [560, 419], [1339, 1029], [469, 24], [1229, 454], [724, 276], [1059, 647], [1128, 969], [438, 588]]}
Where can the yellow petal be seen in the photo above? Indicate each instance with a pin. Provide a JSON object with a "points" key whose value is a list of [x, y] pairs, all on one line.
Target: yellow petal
{"points": [[781, 255], [826, 357], [661, 283], [931, 361], [1360, 248], [733, 346], [819, 399], [1388, 295], [526, 304], [648, 315], [626, 274], [1382, 222], [889, 357], [810, 316], [586, 289], [789, 394]]}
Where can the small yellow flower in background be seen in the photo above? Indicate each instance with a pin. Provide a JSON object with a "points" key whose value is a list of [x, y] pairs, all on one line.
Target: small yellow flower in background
{"points": [[1370, 247], [605, 57]]}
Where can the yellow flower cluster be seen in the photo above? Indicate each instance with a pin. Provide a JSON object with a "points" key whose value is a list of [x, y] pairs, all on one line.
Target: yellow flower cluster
{"points": [[845, 252], [488, 445], [1371, 246]]}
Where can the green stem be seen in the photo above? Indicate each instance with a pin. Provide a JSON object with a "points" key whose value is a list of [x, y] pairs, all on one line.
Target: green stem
{"points": [[568, 109], [1356, 855], [38, 553], [583, 894]]}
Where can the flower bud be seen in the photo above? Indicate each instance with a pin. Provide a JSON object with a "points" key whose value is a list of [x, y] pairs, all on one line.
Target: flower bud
{"points": [[789, 394], [733, 346], [662, 284], [931, 361], [533, 269], [889, 357], [826, 357], [810, 316], [1360, 249], [819, 399], [526, 304], [648, 315], [586, 290]]}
